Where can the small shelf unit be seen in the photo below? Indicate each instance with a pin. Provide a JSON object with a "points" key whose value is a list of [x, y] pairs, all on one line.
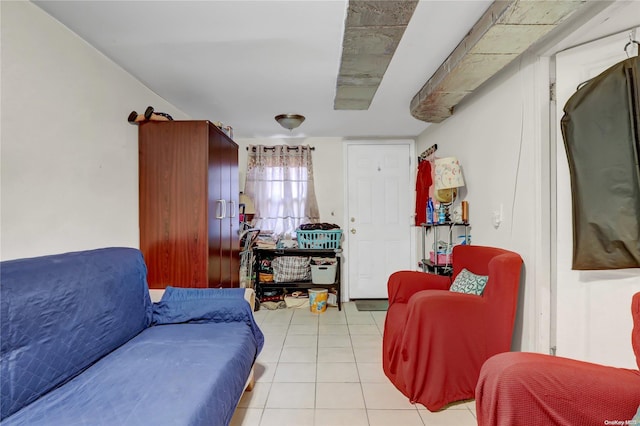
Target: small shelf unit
{"points": [[262, 253], [437, 228]]}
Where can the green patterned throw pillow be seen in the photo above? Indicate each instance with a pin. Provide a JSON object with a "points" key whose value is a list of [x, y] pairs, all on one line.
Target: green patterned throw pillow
{"points": [[470, 283]]}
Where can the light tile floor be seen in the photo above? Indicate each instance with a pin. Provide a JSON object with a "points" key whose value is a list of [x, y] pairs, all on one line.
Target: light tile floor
{"points": [[326, 370]]}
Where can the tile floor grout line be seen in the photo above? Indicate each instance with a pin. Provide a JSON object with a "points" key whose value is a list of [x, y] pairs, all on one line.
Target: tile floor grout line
{"points": [[315, 387], [364, 401], [276, 367]]}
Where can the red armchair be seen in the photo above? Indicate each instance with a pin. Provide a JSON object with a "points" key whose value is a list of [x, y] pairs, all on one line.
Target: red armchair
{"points": [[435, 340], [542, 390]]}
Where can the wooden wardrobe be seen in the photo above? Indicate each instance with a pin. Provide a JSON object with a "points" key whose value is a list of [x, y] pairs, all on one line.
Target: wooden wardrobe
{"points": [[188, 204]]}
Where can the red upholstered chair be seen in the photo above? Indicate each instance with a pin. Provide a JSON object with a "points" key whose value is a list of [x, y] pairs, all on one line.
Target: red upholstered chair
{"points": [[542, 390], [435, 340]]}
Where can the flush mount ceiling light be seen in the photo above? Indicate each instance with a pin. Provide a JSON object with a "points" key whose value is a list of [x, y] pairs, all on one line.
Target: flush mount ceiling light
{"points": [[290, 121]]}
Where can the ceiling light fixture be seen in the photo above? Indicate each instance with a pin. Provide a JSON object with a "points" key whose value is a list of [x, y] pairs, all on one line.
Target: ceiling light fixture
{"points": [[290, 121]]}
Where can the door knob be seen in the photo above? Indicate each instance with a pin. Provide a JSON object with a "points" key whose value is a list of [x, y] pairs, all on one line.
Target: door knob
{"points": [[353, 231]]}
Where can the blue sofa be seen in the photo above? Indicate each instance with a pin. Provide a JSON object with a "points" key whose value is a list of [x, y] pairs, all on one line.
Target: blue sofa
{"points": [[82, 344]]}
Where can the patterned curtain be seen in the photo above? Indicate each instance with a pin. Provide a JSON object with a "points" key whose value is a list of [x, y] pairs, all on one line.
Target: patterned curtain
{"points": [[279, 181]]}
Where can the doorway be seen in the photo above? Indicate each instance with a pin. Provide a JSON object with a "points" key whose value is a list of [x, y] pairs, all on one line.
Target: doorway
{"points": [[379, 215]]}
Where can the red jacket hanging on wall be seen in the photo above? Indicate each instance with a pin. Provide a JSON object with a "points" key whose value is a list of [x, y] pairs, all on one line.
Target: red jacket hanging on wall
{"points": [[423, 182]]}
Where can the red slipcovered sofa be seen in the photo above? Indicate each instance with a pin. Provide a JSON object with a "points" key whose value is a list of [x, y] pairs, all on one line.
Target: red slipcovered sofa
{"points": [[542, 390], [435, 340]]}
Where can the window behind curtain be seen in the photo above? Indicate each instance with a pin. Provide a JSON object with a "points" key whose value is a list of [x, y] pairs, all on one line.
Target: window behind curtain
{"points": [[280, 184]]}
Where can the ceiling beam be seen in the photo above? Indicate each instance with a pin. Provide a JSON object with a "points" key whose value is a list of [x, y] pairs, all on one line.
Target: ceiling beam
{"points": [[506, 30], [373, 30]]}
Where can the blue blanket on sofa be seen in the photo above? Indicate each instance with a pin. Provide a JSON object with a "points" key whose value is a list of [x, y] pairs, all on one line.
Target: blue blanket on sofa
{"points": [[197, 306], [61, 313], [77, 348], [184, 374]]}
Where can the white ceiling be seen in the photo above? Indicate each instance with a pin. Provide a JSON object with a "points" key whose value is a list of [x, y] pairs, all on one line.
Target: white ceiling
{"points": [[243, 62]]}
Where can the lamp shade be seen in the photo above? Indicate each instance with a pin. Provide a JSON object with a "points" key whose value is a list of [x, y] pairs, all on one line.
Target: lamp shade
{"points": [[249, 208], [290, 121], [448, 173]]}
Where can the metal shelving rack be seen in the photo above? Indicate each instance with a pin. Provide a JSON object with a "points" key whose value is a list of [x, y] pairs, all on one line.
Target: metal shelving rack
{"points": [[261, 286], [435, 267]]}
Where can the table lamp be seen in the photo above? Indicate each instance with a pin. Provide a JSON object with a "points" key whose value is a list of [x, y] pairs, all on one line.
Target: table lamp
{"points": [[448, 178]]}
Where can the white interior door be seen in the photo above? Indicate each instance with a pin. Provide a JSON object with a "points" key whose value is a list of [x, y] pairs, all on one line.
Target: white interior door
{"points": [[378, 226], [592, 310]]}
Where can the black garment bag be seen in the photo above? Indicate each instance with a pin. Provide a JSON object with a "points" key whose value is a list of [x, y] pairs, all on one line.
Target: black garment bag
{"points": [[602, 141]]}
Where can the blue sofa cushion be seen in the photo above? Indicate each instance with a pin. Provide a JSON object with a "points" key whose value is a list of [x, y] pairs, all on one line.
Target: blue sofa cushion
{"points": [[59, 314], [182, 374]]}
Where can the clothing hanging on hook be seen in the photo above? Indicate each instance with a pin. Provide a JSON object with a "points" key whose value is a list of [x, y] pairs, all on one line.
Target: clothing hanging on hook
{"points": [[423, 183], [599, 128]]}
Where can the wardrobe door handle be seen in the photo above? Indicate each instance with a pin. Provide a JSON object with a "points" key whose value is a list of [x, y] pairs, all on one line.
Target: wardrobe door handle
{"points": [[221, 209], [233, 208]]}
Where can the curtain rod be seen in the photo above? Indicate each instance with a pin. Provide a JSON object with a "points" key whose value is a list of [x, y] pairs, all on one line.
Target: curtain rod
{"points": [[289, 148]]}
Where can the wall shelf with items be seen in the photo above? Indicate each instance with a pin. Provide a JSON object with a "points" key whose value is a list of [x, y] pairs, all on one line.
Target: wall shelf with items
{"points": [[262, 285], [435, 262]]}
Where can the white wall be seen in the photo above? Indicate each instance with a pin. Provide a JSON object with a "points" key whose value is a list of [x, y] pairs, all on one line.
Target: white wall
{"points": [[500, 134], [496, 139], [69, 157], [327, 170]]}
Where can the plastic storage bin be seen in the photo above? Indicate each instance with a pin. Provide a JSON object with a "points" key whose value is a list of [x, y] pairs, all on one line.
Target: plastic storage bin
{"points": [[443, 258], [323, 274], [319, 239]]}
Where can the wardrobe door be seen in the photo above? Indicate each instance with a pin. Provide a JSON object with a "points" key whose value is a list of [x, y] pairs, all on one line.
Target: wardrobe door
{"points": [[235, 222], [231, 225], [223, 169], [218, 208], [173, 208]]}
